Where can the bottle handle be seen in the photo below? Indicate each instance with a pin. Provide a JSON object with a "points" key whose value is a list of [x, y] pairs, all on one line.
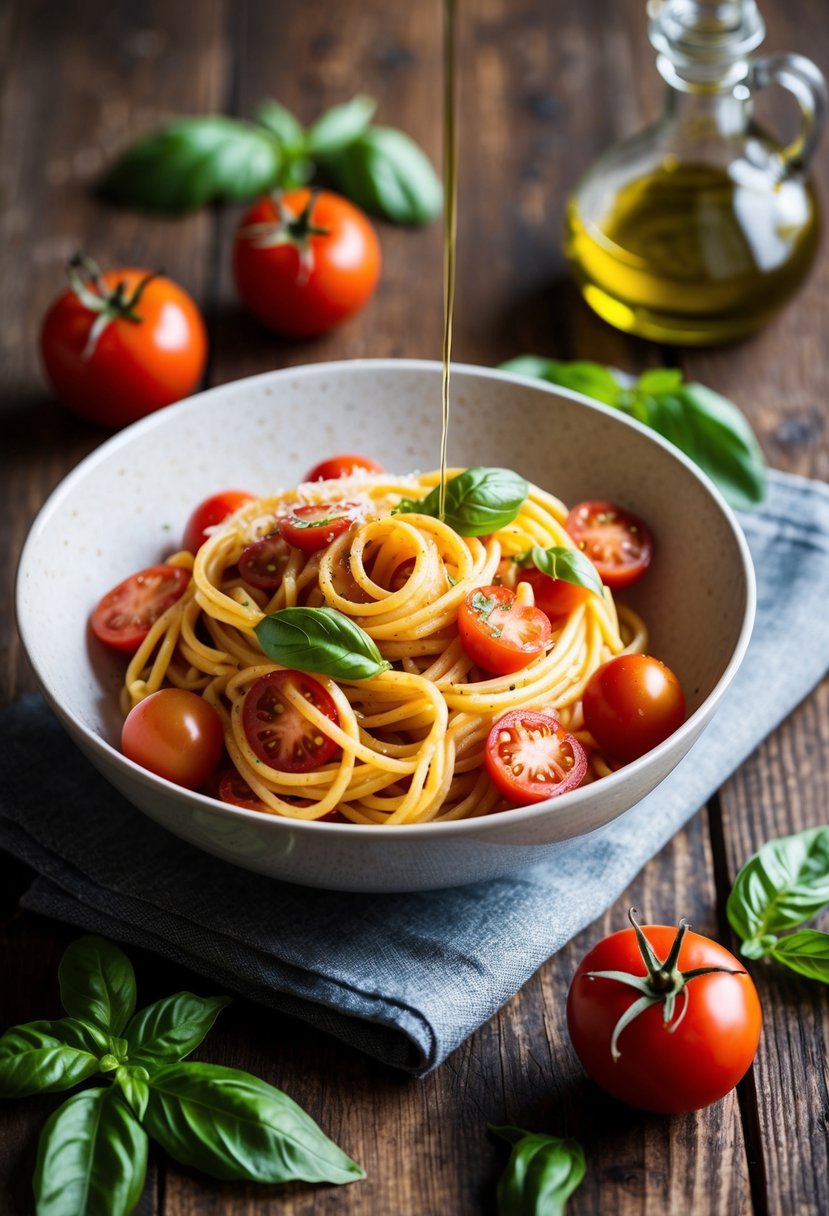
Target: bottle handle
{"points": [[805, 81]]}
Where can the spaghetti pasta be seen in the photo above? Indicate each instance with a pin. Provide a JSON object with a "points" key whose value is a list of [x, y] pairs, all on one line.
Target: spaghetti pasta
{"points": [[407, 744]]}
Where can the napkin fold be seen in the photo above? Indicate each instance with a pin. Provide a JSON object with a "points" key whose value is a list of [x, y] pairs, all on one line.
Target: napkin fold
{"points": [[404, 978]]}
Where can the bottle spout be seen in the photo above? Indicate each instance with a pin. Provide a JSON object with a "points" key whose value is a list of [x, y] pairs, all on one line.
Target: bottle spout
{"points": [[705, 41]]}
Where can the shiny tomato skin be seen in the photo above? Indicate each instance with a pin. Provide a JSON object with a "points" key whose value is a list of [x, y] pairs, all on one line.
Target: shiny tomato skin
{"points": [[498, 633], [554, 596], [277, 732], [208, 514], [665, 1070], [175, 734], [304, 298], [343, 466], [618, 543], [314, 526], [134, 367], [530, 757], [631, 704], [124, 616]]}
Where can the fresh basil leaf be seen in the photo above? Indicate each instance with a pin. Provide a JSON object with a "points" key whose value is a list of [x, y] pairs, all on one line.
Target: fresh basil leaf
{"points": [[320, 640], [235, 1126], [132, 1081], [714, 434], [340, 126], [92, 1158], [541, 1174], [592, 379], [97, 983], [35, 1058], [282, 123], [564, 563], [806, 952], [782, 885], [660, 380], [194, 161], [386, 173], [477, 501], [171, 1028]]}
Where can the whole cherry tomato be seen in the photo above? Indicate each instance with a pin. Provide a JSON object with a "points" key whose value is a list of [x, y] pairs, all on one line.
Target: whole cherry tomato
{"points": [[209, 514], [304, 261], [343, 466], [697, 1028], [122, 344], [175, 734], [631, 703]]}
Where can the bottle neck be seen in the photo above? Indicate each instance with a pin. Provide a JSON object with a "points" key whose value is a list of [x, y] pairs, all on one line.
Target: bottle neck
{"points": [[703, 46]]}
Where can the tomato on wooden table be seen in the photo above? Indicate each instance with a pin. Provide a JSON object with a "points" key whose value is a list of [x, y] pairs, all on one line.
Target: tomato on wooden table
{"points": [[277, 730], [175, 734], [343, 466], [617, 542], [631, 704], [304, 261], [499, 633], [209, 514], [122, 344], [697, 1030], [530, 756], [555, 597], [314, 526], [126, 614]]}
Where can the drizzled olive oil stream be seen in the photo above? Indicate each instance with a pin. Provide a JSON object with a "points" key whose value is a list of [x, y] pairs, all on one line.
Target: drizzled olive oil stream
{"points": [[450, 228]]}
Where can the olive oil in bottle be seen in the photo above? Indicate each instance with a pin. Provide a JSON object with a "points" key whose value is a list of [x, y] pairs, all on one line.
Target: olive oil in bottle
{"points": [[698, 229]]}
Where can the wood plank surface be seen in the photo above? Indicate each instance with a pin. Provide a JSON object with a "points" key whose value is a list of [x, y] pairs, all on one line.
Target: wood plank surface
{"points": [[545, 85]]}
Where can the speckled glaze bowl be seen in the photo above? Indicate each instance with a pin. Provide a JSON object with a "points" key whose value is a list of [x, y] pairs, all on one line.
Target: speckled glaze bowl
{"points": [[126, 505]]}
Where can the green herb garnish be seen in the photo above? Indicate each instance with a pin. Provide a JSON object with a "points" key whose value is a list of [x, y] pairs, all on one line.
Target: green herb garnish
{"points": [[478, 501], [564, 563], [320, 640], [541, 1174]]}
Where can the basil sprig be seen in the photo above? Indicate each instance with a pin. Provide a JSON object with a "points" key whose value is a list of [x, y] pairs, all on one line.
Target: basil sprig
{"points": [[194, 161], [320, 640], [707, 427], [92, 1154], [564, 563], [782, 886], [478, 501], [541, 1174]]}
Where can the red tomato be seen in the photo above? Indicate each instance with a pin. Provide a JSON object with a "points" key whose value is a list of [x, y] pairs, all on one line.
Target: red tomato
{"points": [[125, 615], [530, 757], [175, 734], [279, 734], [343, 466], [618, 543], [209, 513], [305, 261], [500, 634], [694, 1058], [631, 703], [315, 526], [554, 596], [262, 563], [150, 352]]}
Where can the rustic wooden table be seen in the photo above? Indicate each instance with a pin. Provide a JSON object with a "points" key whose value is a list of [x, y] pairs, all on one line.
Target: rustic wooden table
{"points": [[546, 84]]}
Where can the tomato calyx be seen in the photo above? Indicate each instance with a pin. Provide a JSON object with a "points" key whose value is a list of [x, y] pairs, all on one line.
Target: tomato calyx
{"points": [[115, 305], [289, 229], [664, 983]]}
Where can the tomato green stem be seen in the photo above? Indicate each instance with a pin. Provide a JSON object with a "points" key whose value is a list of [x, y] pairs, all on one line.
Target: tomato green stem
{"points": [[108, 306]]}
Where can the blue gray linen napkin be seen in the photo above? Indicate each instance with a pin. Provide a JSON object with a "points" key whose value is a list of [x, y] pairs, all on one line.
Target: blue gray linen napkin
{"points": [[404, 978]]}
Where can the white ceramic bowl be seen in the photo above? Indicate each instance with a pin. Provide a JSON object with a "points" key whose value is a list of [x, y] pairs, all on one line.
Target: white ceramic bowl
{"points": [[125, 506]]}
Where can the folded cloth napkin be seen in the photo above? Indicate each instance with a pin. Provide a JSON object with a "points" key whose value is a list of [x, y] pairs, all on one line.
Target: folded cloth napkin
{"points": [[404, 978]]}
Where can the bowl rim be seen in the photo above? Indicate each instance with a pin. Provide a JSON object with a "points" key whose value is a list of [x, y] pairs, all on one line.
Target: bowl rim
{"points": [[457, 827]]}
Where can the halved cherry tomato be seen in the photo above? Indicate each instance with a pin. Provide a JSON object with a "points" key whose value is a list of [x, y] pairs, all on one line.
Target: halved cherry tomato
{"points": [[554, 596], [233, 789], [618, 543], [500, 634], [530, 756], [125, 615], [175, 734], [314, 526], [343, 466], [208, 514], [262, 563], [279, 734], [631, 703]]}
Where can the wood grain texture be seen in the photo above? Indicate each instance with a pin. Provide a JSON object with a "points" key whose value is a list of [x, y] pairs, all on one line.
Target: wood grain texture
{"points": [[545, 86]]}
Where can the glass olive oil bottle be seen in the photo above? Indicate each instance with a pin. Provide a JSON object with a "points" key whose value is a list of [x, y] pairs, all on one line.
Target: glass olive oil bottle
{"points": [[698, 229]]}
